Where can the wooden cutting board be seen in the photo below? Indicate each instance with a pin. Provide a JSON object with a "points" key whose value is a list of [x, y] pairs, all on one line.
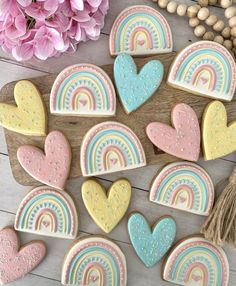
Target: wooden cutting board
{"points": [[158, 108]]}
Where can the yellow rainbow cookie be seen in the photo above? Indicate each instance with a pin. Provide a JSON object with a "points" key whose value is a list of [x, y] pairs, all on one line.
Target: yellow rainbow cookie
{"points": [[106, 209], [29, 116], [219, 139]]}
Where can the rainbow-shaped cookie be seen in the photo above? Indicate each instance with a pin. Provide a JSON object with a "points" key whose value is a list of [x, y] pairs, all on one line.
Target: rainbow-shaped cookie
{"points": [[47, 211], [140, 30], [83, 90], [110, 147], [185, 186], [195, 261], [204, 68], [94, 260]]}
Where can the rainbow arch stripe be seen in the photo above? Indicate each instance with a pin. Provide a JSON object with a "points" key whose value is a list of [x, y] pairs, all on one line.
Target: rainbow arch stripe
{"points": [[83, 90], [140, 30], [197, 262], [185, 186], [94, 260], [47, 211], [205, 68], [110, 147]]}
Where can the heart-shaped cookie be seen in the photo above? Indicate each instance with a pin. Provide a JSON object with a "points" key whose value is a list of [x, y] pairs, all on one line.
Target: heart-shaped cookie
{"points": [[15, 262], [218, 139], [51, 168], [183, 140], [106, 209], [29, 116], [151, 244], [136, 88]]}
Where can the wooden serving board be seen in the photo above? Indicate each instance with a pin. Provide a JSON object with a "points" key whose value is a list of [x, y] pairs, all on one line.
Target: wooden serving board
{"points": [[158, 108]]}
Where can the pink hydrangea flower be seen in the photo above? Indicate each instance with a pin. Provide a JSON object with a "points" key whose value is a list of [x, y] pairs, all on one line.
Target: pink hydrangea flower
{"points": [[46, 28]]}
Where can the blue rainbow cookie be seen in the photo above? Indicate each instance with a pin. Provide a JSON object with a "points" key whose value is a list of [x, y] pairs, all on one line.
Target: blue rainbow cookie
{"points": [[94, 260], [47, 211], [185, 186], [110, 147], [83, 90], [136, 88], [151, 244], [140, 30], [205, 68], [195, 261]]}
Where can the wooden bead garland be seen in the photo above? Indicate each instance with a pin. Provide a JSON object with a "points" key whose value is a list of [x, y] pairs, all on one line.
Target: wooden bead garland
{"points": [[199, 17]]}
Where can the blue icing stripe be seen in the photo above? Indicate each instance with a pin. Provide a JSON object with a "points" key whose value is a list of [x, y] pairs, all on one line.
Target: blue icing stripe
{"points": [[88, 252], [138, 15]]}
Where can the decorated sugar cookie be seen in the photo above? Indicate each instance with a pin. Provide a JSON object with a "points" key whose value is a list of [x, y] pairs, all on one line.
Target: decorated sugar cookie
{"points": [[28, 116], [46, 211], [182, 141], [16, 262], [205, 68], [140, 30], [94, 260], [112, 206], [51, 168], [110, 147], [196, 261], [185, 186], [219, 139], [83, 90], [136, 88], [151, 244]]}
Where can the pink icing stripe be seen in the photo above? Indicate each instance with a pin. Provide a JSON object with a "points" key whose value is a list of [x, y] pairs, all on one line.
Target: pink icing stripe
{"points": [[132, 10], [197, 265], [42, 212], [97, 266], [176, 191], [114, 149], [212, 72], [146, 33], [88, 92]]}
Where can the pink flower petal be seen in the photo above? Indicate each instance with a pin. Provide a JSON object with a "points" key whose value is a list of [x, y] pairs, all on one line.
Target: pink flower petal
{"points": [[24, 3], [44, 49], [37, 11], [23, 52], [20, 23], [94, 3], [51, 5], [77, 4]]}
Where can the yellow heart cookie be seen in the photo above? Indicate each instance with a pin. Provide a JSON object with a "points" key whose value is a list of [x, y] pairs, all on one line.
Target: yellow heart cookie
{"points": [[29, 116], [106, 209], [218, 139]]}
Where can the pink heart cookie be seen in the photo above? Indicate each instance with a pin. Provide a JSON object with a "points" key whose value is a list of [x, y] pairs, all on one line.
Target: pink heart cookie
{"points": [[51, 168], [183, 140], [15, 263]]}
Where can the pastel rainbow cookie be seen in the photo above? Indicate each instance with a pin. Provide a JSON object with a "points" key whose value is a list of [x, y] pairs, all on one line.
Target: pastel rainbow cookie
{"points": [[205, 68], [110, 147], [94, 260], [46, 211], [197, 262], [185, 186], [140, 30], [83, 90]]}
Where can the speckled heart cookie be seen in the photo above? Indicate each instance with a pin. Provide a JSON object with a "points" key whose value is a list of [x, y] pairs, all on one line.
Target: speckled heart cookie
{"points": [[219, 139], [136, 88], [182, 141], [29, 116], [106, 209], [16, 262], [151, 244], [51, 168]]}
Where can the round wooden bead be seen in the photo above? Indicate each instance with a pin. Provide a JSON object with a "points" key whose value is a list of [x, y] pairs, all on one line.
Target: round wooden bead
{"points": [[212, 2], [163, 3], [211, 20], [192, 11], [203, 3], [218, 26], [228, 44], [219, 39], [230, 12], [199, 31], [182, 9], [171, 7], [203, 14], [233, 32], [208, 36], [232, 22], [193, 22], [226, 32], [234, 42], [226, 3]]}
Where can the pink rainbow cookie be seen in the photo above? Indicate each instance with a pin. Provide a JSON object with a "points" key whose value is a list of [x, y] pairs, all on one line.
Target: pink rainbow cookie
{"points": [[140, 30], [205, 68], [185, 186], [16, 262], [182, 141], [83, 90], [51, 168]]}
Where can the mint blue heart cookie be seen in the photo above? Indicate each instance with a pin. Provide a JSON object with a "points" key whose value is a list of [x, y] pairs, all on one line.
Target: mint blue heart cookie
{"points": [[151, 245], [136, 88]]}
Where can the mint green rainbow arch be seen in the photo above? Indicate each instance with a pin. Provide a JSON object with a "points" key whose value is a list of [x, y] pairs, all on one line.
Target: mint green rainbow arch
{"points": [[49, 212]]}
